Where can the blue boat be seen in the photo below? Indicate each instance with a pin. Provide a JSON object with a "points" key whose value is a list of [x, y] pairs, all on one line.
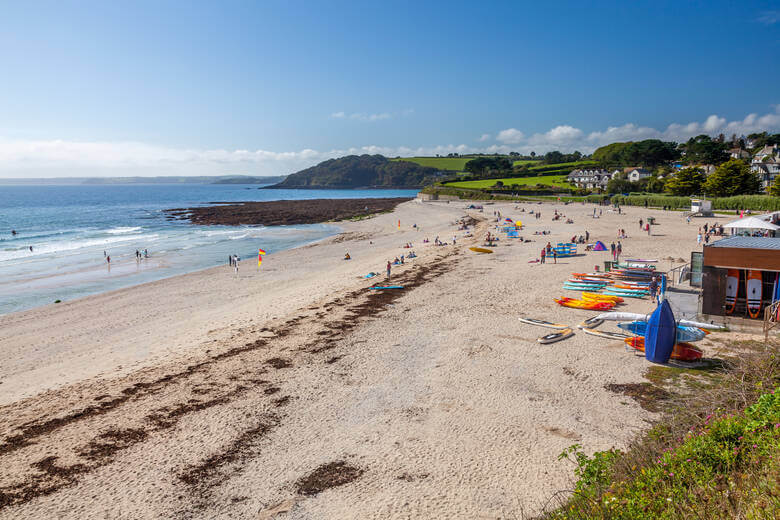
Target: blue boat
{"points": [[661, 334], [685, 333]]}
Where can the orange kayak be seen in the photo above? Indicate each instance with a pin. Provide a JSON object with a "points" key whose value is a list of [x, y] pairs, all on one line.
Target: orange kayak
{"points": [[591, 305], [682, 351]]}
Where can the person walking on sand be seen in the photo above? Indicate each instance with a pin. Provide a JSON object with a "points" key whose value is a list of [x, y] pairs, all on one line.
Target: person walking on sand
{"points": [[647, 227], [640, 224], [544, 252], [555, 256], [698, 239], [587, 235], [618, 251], [235, 263], [612, 250], [389, 266]]}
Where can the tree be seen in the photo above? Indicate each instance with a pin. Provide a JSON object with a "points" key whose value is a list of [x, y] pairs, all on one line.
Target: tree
{"points": [[483, 165], [650, 152], [774, 189], [703, 150], [687, 181], [655, 184], [618, 185], [732, 178], [533, 154]]}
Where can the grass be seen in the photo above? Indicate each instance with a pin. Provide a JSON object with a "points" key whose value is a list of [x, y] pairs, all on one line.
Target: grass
{"points": [[561, 166], [442, 163], [526, 161], [547, 180], [714, 454]]}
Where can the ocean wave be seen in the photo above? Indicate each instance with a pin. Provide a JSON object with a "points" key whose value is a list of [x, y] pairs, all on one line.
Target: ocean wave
{"points": [[123, 230], [67, 246]]}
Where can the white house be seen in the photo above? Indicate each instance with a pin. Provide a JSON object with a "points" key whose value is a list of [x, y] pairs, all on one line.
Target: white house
{"points": [[766, 164], [739, 153], [591, 179], [637, 174]]}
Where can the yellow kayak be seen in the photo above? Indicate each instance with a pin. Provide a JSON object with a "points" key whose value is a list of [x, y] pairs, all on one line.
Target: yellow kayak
{"points": [[481, 250], [601, 297]]}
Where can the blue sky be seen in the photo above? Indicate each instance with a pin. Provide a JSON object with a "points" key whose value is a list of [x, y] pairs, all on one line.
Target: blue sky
{"points": [[163, 87]]}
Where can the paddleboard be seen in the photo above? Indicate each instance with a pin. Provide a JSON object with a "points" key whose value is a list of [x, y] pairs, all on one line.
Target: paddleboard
{"points": [[542, 323], [383, 287], [590, 323], [606, 334], [680, 351], [732, 286], [684, 333], [754, 293], [556, 336], [481, 250]]}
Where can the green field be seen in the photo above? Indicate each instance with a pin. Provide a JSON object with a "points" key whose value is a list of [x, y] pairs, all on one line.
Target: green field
{"points": [[547, 180], [441, 163], [560, 166], [520, 163]]}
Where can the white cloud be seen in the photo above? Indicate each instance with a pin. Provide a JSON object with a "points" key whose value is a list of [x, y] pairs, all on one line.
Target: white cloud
{"points": [[511, 136], [483, 138], [567, 138], [62, 158], [338, 115]]}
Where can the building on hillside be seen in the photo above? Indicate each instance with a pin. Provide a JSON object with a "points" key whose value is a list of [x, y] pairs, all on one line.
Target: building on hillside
{"points": [[636, 174], [591, 179], [766, 164], [767, 151], [739, 153]]}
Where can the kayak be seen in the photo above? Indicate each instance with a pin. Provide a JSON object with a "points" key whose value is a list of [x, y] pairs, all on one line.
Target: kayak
{"points": [[542, 323], [628, 316], [556, 336], [601, 297], [582, 304], [681, 351]]}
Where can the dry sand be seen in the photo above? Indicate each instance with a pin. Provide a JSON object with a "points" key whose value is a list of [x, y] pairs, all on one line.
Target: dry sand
{"points": [[294, 392]]}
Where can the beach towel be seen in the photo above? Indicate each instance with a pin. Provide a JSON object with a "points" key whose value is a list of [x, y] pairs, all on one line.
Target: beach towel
{"points": [[599, 246]]}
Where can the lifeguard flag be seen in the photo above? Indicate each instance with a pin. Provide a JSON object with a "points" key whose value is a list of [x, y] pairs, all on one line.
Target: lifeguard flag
{"points": [[399, 224], [260, 254]]}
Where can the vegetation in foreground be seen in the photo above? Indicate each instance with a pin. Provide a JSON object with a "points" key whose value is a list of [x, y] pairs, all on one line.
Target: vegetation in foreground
{"points": [[715, 454]]}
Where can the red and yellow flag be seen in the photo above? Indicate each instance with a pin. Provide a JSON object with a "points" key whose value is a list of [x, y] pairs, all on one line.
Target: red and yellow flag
{"points": [[260, 254]]}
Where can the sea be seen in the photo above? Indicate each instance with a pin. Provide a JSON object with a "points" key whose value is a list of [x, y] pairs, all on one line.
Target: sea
{"points": [[64, 233]]}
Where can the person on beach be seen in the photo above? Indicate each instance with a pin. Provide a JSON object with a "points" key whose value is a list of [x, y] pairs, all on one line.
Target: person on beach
{"points": [[698, 239], [347, 257], [544, 252], [618, 251], [235, 263], [647, 227], [640, 224], [653, 290], [31, 249], [389, 266], [612, 250], [108, 260], [555, 256], [587, 235]]}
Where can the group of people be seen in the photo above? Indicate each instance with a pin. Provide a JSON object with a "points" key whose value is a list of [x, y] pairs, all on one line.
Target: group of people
{"points": [[233, 260], [549, 251], [581, 239], [715, 230], [138, 254], [616, 250]]}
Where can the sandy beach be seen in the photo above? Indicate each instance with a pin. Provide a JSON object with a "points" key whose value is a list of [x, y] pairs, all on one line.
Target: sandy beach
{"points": [[293, 391]]}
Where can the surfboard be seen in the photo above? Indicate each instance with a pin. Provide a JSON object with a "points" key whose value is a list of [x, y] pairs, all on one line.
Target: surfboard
{"points": [[732, 286], [753, 293], [383, 287], [661, 334], [590, 323], [481, 250], [542, 323], [606, 334], [556, 336], [684, 333]]}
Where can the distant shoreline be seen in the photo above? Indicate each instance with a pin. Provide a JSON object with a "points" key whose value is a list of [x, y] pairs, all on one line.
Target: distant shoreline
{"points": [[284, 212]]}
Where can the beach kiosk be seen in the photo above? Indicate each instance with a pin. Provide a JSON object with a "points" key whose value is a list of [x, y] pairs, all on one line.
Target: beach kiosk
{"points": [[701, 207], [740, 276]]}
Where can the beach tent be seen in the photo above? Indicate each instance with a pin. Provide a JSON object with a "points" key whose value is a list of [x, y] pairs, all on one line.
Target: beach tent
{"points": [[751, 223], [599, 246]]}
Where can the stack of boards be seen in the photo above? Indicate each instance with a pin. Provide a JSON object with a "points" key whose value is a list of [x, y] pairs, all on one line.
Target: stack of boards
{"points": [[753, 291], [563, 331]]}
